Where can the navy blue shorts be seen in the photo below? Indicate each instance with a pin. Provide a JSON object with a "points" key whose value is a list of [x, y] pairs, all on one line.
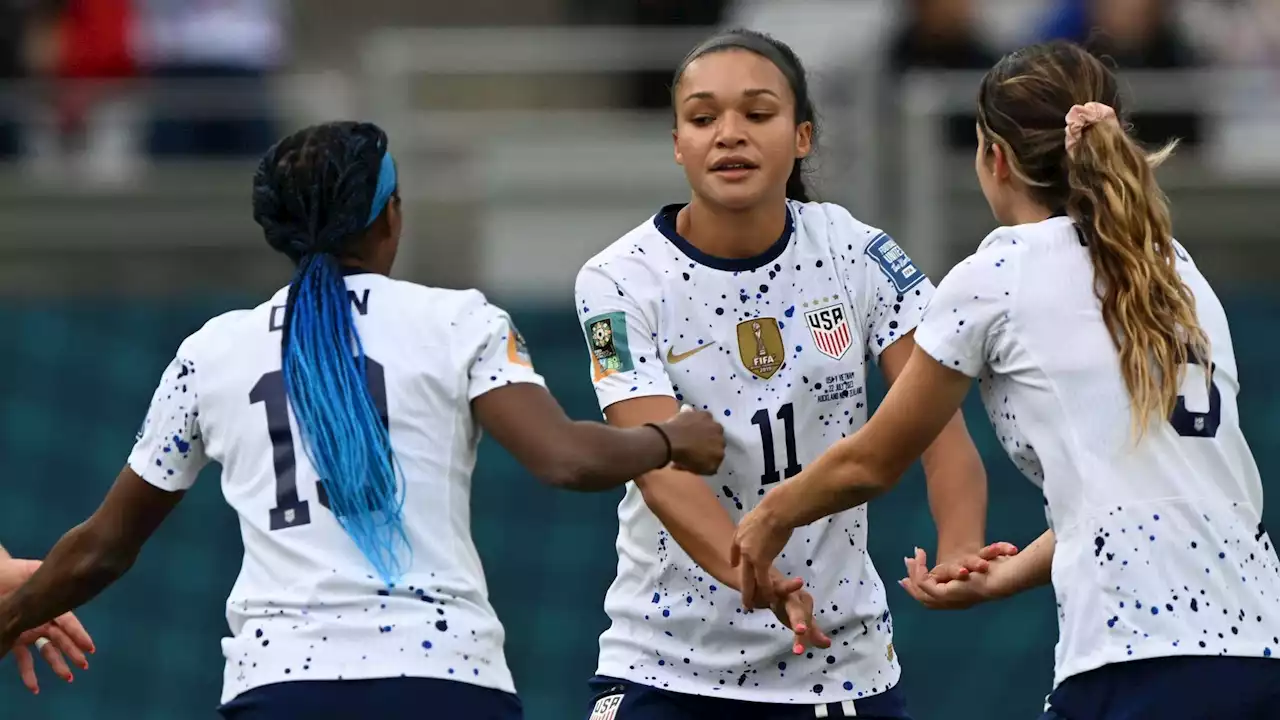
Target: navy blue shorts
{"points": [[630, 701], [378, 698], [1174, 688]]}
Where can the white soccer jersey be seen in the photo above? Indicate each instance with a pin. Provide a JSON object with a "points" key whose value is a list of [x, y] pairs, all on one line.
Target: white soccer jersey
{"points": [[307, 604], [1160, 545], [776, 348]]}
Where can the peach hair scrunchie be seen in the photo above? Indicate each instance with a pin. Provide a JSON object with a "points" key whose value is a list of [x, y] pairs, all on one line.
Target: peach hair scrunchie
{"points": [[1083, 116]]}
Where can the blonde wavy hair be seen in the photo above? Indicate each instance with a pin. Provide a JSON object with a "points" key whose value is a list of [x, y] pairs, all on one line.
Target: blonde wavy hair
{"points": [[1106, 183]]}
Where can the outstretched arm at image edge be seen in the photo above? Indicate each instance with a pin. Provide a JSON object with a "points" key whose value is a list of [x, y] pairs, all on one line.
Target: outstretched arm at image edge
{"points": [[90, 556]]}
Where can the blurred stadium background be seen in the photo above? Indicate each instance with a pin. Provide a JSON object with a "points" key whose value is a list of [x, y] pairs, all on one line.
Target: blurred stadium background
{"points": [[530, 134]]}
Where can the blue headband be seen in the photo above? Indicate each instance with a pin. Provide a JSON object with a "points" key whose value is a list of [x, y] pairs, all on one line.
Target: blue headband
{"points": [[386, 186]]}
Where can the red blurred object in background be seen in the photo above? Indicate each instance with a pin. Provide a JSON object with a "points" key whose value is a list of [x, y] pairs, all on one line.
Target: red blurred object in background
{"points": [[95, 42]]}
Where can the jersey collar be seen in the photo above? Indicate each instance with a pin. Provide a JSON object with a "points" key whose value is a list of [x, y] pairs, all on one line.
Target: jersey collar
{"points": [[665, 221]]}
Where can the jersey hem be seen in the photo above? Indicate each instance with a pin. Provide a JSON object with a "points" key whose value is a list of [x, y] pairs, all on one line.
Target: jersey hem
{"points": [[933, 348], [1115, 658], [726, 692], [144, 472], [606, 403], [228, 696]]}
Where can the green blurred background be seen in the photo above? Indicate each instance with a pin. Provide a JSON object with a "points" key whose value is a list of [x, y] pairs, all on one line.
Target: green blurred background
{"points": [[79, 375]]}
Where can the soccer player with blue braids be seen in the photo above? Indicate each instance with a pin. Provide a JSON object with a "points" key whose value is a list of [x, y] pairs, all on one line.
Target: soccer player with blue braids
{"points": [[345, 412]]}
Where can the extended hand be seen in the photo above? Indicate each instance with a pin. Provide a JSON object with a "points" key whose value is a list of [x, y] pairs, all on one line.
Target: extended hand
{"points": [[961, 567], [758, 540], [66, 635], [957, 593]]}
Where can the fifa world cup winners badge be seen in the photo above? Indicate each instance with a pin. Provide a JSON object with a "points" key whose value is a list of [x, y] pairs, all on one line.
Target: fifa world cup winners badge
{"points": [[760, 347]]}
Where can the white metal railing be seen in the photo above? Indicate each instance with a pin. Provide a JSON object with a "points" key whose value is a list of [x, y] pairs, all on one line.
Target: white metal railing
{"points": [[510, 158], [393, 58], [535, 161]]}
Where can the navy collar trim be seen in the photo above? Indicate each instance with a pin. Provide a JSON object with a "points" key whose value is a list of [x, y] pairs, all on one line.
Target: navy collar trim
{"points": [[665, 222]]}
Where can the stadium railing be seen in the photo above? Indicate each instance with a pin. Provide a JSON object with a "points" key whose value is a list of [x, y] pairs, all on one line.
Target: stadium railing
{"points": [[512, 193], [551, 186], [1219, 193]]}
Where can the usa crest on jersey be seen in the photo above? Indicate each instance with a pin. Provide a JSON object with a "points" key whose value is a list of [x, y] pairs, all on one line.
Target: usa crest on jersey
{"points": [[830, 329]]}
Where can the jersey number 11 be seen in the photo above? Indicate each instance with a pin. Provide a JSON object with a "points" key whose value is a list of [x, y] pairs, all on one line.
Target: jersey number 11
{"points": [[787, 415]]}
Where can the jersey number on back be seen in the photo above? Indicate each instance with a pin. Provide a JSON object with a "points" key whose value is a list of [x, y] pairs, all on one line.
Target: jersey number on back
{"points": [[290, 510], [1189, 423], [787, 415]]}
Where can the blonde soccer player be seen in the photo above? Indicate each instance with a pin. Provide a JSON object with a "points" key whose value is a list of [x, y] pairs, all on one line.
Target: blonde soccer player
{"points": [[1105, 362]]}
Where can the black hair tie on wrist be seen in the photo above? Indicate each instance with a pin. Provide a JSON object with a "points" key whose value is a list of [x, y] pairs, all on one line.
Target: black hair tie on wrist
{"points": [[665, 438]]}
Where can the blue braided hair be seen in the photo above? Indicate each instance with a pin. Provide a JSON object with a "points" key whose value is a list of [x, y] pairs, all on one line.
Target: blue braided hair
{"points": [[315, 194]]}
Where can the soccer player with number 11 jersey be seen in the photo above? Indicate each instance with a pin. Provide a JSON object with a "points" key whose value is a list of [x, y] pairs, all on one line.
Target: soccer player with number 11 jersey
{"points": [[762, 308]]}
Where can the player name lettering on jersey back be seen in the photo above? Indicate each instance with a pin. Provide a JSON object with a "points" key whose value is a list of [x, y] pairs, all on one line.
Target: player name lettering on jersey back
{"points": [[360, 302]]}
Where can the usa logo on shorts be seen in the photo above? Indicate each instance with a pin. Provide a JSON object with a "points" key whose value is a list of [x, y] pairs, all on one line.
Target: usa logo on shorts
{"points": [[830, 329], [606, 708]]}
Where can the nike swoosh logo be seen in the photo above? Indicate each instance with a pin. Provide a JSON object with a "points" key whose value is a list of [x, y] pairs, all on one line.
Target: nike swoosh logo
{"points": [[673, 357]]}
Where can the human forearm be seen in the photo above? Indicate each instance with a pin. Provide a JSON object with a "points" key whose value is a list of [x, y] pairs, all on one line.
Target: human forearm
{"points": [[699, 524], [526, 420], [1032, 567], [695, 518], [957, 485], [80, 565], [922, 400], [590, 456], [835, 482], [599, 457]]}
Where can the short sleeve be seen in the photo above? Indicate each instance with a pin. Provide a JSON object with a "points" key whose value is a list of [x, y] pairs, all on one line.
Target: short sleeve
{"points": [[968, 310], [169, 451], [496, 354], [894, 292], [622, 341]]}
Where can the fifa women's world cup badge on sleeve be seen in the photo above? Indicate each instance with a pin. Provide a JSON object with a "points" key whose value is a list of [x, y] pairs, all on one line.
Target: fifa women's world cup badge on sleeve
{"points": [[610, 354], [517, 350]]}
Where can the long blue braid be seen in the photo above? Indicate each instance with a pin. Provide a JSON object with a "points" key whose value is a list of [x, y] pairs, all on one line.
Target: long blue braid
{"points": [[343, 433]]}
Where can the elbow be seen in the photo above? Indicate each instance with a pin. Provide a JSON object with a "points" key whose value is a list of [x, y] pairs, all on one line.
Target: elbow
{"points": [[878, 483], [101, 557], [566, 471], [110, 567], [871, 473], [564, 477], [869, 479]]}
